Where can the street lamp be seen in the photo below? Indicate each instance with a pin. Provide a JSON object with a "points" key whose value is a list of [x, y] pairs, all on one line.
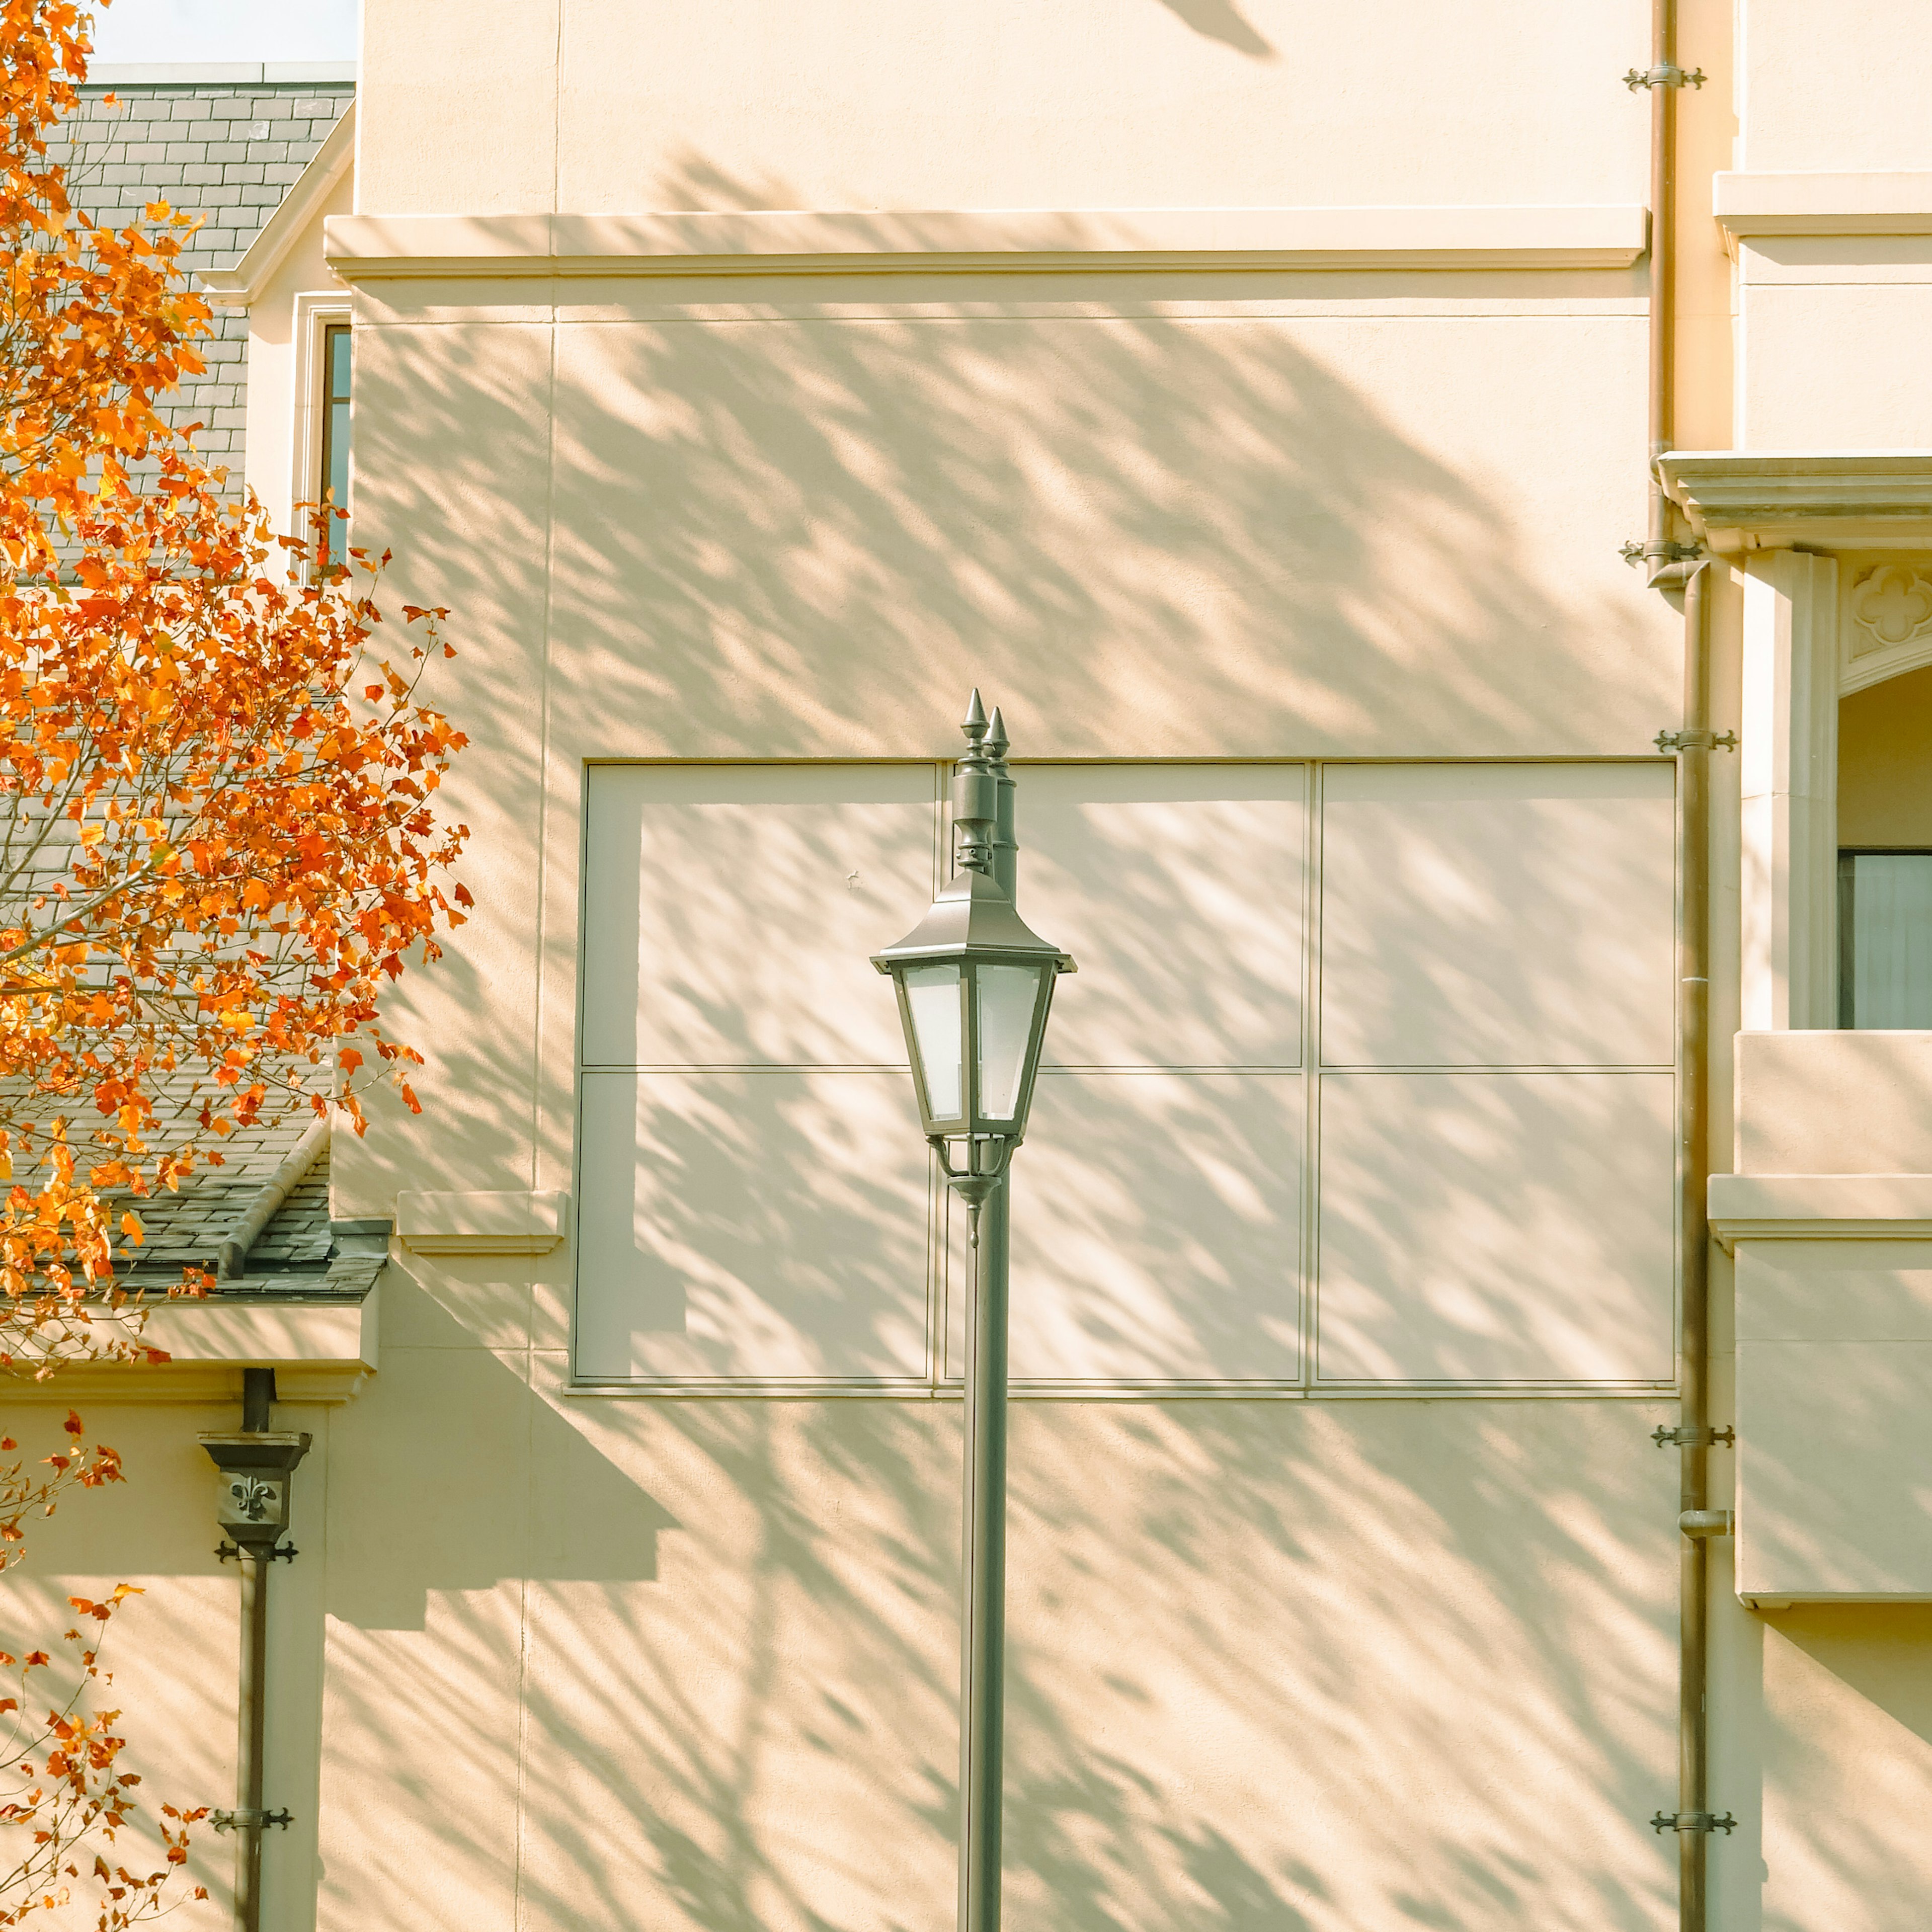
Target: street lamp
{"points": [[975, 984]]}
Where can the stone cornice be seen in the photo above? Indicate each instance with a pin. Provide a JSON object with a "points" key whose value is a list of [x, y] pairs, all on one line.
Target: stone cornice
{"points": [[366, 247], [1893, 203], [1744, 499]]}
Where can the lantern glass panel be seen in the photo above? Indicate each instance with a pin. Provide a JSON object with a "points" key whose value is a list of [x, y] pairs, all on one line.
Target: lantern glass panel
{"points": [[932, 998], [1008, 995]]}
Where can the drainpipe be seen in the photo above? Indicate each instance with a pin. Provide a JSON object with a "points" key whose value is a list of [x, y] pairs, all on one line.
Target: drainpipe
{"points": [[1671, 564], [1697, 1522], [257, 1467], [1667, 562]]}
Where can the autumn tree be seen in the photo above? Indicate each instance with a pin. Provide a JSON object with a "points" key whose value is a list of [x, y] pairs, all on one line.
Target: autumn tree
{"points": [[218, 837]]}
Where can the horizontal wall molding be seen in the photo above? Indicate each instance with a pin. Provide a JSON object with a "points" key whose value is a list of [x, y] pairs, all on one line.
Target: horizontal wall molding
{"points": [[1894, 203], [366, 247], [1743, 499], [498, 1223], [1819, 1207]]}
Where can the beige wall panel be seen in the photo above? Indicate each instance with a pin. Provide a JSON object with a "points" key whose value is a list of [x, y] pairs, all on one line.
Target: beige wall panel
{"points": [[1178, 890], [428, 1538], [1497, 1227], [746, 1717], [1156, 1232], [457, 106], [1143, 537], [466, 518], [1829, 1330], [863, 105], [1869, 393], [1832, 1102], [1847, 1770], [731, 912], [751, 1225], [1885, 750], [1824, 85], [1497, 915], [740, 1700]]}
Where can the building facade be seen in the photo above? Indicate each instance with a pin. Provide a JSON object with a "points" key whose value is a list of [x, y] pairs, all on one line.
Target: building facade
{"points": [[1256, 405]]}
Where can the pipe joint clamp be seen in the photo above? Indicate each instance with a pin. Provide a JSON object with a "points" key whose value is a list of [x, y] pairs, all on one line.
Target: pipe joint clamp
{"points": [[1693, 1821], [1664, 77], [1708, 1522]]}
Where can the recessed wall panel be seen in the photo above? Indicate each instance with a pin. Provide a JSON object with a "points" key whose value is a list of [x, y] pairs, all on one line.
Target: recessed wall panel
{"points": [[1156, 1231], [1178, 889], [730, 911], [1497, 915], [1496, 1227], [751, 1226]]}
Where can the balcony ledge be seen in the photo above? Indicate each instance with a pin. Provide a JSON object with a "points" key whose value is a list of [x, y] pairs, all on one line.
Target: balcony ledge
{"points": [[1819, 1207]]}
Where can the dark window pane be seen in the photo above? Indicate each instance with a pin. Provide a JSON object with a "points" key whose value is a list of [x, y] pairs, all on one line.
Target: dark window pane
{"points": [[332, 485], [1884, 950]]}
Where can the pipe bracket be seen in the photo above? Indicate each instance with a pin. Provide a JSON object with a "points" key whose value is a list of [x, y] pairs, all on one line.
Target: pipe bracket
{"points": [[1689, 1438], [1664, 77], [248, 1821], [1695, 741], [1693, 1821], [285, 1552]]}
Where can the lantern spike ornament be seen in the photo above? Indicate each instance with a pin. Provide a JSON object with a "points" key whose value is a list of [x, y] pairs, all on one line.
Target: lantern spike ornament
{"points": [[975, 984]]}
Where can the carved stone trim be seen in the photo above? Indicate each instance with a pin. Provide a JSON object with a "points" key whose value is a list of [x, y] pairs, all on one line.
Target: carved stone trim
{"points": [[1884, 628], [1891, 604]]}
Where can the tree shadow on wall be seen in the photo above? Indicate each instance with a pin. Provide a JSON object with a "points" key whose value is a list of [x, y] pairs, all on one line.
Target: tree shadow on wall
{"points": [[1339, 1667], [806, 526]]}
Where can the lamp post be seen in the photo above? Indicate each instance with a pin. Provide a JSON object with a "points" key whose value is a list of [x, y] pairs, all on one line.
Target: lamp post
{"points": [[974, 987]]}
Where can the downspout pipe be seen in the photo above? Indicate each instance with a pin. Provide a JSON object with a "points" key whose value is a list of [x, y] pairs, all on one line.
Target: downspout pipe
{"points": [[1671, 564], [1697, 1522], [1667, 561], [257, 1467]]}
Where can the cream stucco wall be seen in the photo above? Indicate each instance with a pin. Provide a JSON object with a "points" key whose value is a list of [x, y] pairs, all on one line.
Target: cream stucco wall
{"points": [[1390, 1643], [599, 106]]}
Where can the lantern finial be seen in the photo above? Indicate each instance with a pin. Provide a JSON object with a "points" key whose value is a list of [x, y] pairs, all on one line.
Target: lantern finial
{"points": [[976, 794]]}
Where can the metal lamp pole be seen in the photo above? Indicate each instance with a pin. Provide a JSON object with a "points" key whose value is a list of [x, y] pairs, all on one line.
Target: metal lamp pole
{"points": [[975, 986], [983, 1634]]}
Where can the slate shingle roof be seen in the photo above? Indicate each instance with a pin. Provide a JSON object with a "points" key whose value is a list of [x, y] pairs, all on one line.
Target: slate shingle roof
{"points": [[301, 1252], [227, 151]]}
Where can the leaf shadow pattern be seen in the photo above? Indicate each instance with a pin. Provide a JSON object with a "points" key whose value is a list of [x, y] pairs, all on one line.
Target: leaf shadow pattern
{"points": [[1352, 1667]]}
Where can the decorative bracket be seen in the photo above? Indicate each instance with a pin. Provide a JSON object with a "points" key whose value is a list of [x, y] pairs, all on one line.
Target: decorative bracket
{"points": [[285, 1552], [245, 1821], [1693, 1821], [1695, 741], [1664, 77], [1687, 1438], [1633, 553]]}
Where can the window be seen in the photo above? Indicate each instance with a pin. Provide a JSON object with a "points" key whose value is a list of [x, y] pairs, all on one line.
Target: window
{"points": [[337, 362], [1884, 939]]}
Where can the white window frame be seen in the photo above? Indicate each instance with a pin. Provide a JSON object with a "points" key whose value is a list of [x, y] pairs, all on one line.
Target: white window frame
{"points": [[316, 313]]}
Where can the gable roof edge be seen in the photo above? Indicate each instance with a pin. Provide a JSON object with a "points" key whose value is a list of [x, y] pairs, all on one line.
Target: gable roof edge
{"points": [[238, 287]]}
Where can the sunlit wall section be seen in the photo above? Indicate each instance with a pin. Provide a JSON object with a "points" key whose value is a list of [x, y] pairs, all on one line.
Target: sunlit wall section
{"points": [[755, 1193], [1496, 1150]]}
